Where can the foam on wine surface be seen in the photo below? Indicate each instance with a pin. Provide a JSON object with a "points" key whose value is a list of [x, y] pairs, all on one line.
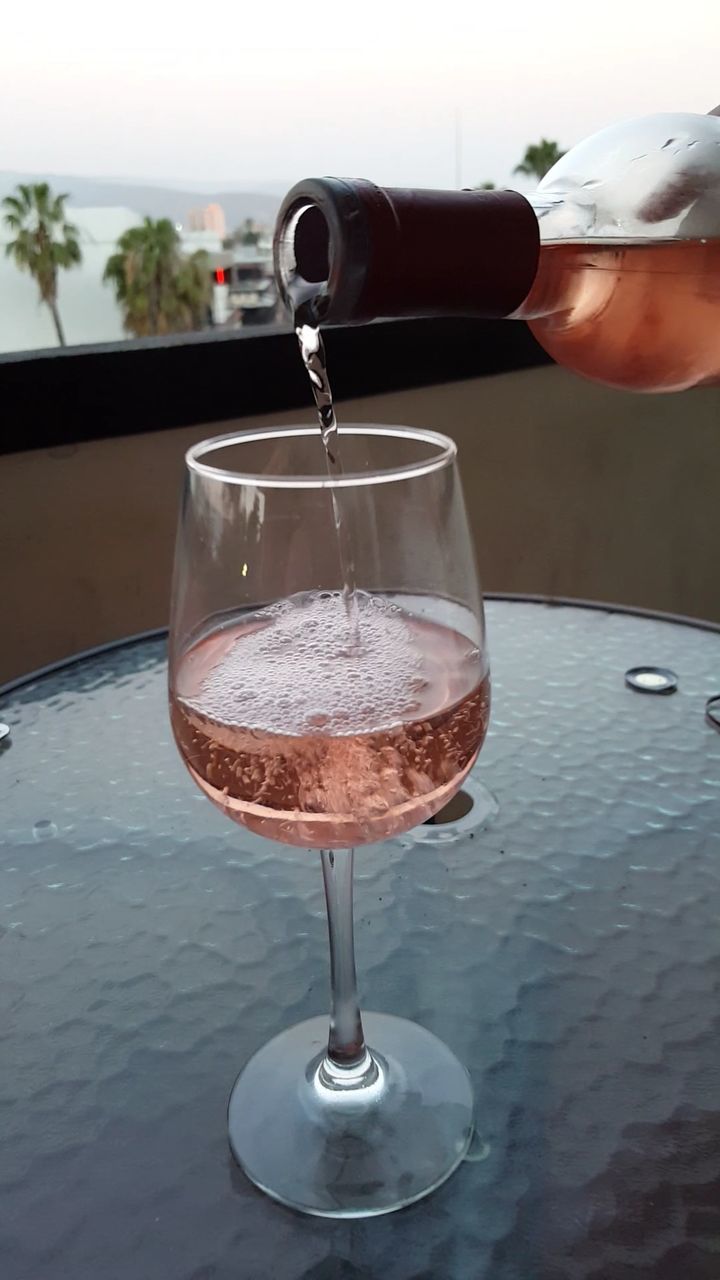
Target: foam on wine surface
{"points": [[306, 738], [295, 670]]}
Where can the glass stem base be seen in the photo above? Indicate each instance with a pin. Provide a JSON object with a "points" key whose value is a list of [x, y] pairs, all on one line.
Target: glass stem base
{"points": [[351, 1142]]}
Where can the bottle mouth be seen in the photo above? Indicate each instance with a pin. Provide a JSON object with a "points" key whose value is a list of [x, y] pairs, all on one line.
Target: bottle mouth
{"points": [[320, 249], [311, 245]]}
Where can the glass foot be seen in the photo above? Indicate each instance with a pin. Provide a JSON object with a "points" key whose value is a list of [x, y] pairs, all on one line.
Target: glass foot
{"points": [[396, 1130]]}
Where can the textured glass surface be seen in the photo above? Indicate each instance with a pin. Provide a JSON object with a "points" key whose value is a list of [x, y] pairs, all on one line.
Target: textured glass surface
{"points": [[568, 953]]}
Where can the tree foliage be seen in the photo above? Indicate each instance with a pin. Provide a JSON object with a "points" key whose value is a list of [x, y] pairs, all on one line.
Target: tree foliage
{"points": [[539, 159], [44, 243], [159, 289], [248, 233]]}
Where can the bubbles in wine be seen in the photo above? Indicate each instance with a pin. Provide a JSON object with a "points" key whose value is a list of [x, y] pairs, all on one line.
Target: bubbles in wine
{"points": [[302, 736], [295, 671]]}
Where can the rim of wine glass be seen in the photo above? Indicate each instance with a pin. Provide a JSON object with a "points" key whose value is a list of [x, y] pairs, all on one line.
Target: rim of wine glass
{"points": [[447, 452]]}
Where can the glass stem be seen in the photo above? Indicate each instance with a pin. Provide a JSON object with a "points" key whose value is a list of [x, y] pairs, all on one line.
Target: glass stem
{"points": [[346, 1042]]}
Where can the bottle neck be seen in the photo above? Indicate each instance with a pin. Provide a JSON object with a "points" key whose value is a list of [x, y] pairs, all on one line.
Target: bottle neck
{"points": [[350, 252]]}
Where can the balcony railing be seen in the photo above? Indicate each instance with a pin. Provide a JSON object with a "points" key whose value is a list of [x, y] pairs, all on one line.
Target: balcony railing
{"points": [[68, 395], [573, 490]]}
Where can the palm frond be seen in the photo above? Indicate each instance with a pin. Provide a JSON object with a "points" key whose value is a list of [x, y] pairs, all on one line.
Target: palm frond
{"points": [[57, 208], [26, 197], [13, 206]]}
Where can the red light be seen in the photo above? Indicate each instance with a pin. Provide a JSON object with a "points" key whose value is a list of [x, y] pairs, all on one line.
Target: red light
{"points": [[219, 275]]}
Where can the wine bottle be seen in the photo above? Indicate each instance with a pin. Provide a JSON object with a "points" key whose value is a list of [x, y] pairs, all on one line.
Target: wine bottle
{"points": [[614, 261]]}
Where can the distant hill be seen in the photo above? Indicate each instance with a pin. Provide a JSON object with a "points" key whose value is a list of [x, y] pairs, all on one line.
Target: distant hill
{"points": [[154, 202]]}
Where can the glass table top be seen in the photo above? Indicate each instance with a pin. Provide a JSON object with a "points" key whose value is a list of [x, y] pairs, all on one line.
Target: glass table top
{"points": [[563, 941]]}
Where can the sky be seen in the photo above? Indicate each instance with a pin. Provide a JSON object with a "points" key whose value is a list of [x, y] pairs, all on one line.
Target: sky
{"points": [[233, 93]]}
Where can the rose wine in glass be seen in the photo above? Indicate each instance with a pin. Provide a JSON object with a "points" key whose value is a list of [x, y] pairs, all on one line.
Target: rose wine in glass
{"points": [[324, 730], [307, 741]]}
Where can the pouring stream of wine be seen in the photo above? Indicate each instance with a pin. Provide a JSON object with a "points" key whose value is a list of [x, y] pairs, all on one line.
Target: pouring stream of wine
{"points": [[312, 350]]}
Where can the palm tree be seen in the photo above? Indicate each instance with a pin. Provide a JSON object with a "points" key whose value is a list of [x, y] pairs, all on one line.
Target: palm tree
{"points": [[44, 243], [194, 289], [159, 289], [539, 158]]}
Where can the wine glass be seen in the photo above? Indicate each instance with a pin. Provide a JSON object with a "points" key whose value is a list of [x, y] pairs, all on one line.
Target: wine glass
{"points": [[327, 722]]}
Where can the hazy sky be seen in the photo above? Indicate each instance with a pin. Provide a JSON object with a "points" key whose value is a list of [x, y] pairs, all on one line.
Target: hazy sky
{"points": [[196, 91]]}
